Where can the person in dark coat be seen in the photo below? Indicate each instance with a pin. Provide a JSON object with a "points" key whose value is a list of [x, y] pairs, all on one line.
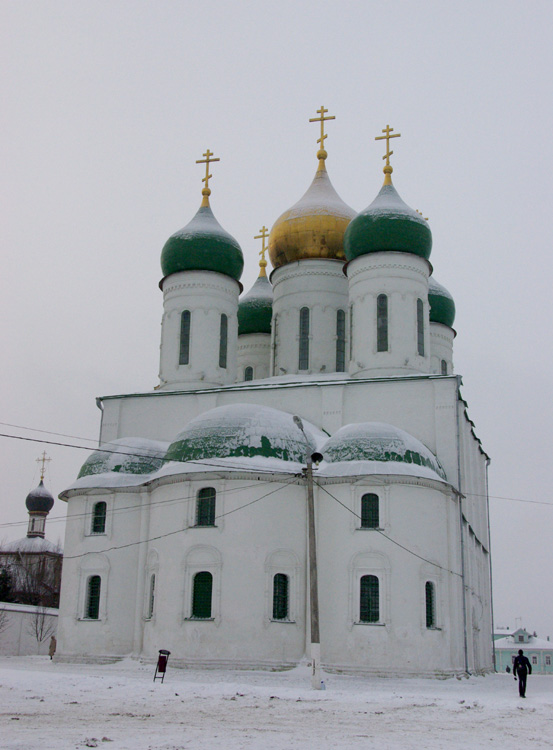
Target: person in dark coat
{"points": [[521, 668]]}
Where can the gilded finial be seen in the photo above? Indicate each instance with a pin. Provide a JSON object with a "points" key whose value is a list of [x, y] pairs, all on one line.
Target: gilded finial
{"points": [[206, 192], [387, 169], [321, 153], [263, 236], [43, 460]]}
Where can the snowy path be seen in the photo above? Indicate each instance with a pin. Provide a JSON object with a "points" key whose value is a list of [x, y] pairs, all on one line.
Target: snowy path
{"points": [[64, 706]]}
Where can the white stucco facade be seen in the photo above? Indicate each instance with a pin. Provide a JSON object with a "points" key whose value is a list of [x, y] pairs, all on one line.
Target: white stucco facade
{"points": [[189, 530]]}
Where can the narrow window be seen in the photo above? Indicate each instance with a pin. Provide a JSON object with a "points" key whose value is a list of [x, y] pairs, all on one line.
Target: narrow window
{"points": [[151, 597], [382, 323], [248, 373], [304, 339], [223, 342], [280, 597], [275, 342], [548, 660], [93, 598], [351, 332], [184, 353], [444, 367], [430, 597], [534, 660], [201, 595], [521, 639], [369, 511], [205, 507], [99, 518], [420, 328], [340, 341], [369, 604]]}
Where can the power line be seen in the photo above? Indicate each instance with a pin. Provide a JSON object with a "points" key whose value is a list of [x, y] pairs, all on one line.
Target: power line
{"points": [[447, 570], [178, 531]]}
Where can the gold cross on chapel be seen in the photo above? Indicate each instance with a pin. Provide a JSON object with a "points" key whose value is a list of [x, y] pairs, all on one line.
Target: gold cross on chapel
{"points": [[386, 137], [322, 119], [43, 460], [206, 192], [262, 263]]}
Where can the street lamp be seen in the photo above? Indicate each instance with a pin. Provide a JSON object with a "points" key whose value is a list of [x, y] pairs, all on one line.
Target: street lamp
{"points": [[313, 588]]}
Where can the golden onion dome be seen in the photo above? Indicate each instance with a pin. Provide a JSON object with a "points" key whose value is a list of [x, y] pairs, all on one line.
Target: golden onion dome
{"points": [[314, 227]]}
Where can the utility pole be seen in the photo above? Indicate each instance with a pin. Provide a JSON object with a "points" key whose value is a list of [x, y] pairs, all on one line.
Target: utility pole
{"points": [[313, 587]]}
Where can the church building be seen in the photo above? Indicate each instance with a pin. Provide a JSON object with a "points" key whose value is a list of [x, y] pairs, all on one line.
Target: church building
{"points": [[304, 481]]}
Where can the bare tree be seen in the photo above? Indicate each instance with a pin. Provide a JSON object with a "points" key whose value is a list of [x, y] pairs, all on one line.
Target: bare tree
{"points": [[41, 624]]}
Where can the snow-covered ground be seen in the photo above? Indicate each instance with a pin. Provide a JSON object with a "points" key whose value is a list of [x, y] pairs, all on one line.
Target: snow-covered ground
{"points": [[65, 706]]}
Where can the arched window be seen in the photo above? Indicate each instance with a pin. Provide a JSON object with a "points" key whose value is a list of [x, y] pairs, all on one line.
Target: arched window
{"points": [[420, 328], [151, 597], [444, 367], [280, 597], [205, 507], [304, 339], [184, 353], [248, 373], [340, 341], [99, 518], [351, 332], [223, 339], [382, 323], [430, 598], [369, 599], [92, 609], [369, 511], [201, 595]]}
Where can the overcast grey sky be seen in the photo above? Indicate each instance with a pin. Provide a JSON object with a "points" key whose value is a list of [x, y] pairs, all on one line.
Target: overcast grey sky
{"points": [[105, 106]]}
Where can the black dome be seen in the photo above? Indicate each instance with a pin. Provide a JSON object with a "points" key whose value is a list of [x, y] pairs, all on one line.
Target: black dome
{"points": [[39, 500]]}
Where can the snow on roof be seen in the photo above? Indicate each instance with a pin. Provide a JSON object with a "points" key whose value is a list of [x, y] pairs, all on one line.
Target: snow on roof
{"points": [[28, 544], [534, 644]]}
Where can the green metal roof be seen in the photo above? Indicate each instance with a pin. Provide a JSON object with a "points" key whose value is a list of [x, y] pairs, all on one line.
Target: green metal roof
{"points": [[202, 245], [255, 309], [388, 224], [442, 306]]}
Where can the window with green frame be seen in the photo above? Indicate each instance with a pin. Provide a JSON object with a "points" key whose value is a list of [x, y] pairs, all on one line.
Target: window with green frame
{"points": [[382, 323], [430, 602], [99, 512], [202, 589], [340, 341], [280, 596], [303, 363], [93, 587], [369, 599], [223, 342], [205, 507], [151, 597], [370, 518], [420, 328], [248, 373], [184, 351]]}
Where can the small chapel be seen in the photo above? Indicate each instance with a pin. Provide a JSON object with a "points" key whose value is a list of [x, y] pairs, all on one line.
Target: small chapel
{"points": [[304, 482]]}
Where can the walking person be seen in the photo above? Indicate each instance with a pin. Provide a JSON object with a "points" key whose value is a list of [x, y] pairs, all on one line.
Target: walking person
{"points": [[521, 668]]}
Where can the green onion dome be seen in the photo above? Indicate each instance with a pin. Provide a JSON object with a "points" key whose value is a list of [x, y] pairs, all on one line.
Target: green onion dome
{"points": [[202, 245], [125, 456], [243, 431], [442, 306], [255, 309], [388, 224], [39, 500], [382, 443]]}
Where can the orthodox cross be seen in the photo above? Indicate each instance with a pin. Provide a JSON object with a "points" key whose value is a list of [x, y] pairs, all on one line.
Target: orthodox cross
{"points": [[207, 161], [42, 460], [386, 137], [262, 263], [322, 119]]}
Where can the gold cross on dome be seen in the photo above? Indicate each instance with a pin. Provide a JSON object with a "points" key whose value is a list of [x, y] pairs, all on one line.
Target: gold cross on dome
{"points": [[264, 233], [386, 137], [322, 119], [207, 161], [43, 460]]}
